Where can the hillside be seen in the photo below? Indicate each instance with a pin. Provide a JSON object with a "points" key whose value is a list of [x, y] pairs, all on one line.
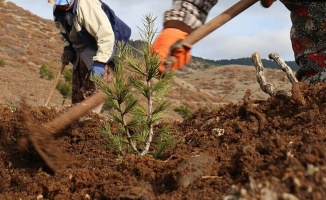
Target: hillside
{"points": [[198, 63], [270, 64], [28, 42]]}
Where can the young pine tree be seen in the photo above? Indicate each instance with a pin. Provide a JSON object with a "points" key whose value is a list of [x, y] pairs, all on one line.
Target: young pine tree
{"points": [[136, 98]]}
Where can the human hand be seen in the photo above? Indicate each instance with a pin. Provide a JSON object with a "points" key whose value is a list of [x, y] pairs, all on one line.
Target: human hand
{"points": [[68, 55], [162, 46], [267, 3], [98, 69]]}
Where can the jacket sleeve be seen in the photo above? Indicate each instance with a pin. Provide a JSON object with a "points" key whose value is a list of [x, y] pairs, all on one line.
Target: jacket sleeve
{"points": [[187, 15], [91, 16], [64, 35]]}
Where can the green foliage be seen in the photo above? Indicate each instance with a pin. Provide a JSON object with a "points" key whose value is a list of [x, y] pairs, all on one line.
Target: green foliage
{"points": [[137, 100], [67, 75], [115, 140], [2, 63], [164, 140], [46, 72], [184, 111], [13, 105], [64, 88]]}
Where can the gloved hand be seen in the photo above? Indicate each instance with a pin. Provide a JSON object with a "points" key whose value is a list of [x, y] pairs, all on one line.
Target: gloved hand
{"points": [[163, 43], [267, 3], [68, 55], [98, 69]]}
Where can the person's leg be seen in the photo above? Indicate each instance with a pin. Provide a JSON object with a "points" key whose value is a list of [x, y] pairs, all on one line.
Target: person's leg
{"points": [[77, 83], [312, 68], [83, 87], [320, 77]]}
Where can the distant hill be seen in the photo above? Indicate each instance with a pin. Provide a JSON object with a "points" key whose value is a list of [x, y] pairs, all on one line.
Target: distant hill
{"points": [[198, 63], [247, 61]]}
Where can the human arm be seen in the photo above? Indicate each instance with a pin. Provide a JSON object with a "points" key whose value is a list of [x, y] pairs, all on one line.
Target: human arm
{"points": [[266, 3], [180, 20], [161, 45], [91, 17], [68, 53]]}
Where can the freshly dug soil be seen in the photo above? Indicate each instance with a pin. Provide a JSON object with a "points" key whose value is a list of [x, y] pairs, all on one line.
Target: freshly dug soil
{"points": [[274, 149]]}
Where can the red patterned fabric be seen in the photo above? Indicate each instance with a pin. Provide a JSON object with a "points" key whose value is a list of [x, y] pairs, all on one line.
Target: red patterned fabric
{"points": [[308, 36]]}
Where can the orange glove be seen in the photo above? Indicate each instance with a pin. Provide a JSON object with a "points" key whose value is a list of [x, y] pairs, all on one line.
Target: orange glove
{"points": [[162, 46]]}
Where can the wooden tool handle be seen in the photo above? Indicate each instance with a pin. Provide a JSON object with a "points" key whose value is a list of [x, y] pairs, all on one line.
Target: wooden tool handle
{"points": [[56, 81], [75, 112], [218, 21]]}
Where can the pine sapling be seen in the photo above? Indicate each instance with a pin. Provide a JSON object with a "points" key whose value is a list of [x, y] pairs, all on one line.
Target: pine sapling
{"points": [[145, 81], [121, 102], [136, 98]]}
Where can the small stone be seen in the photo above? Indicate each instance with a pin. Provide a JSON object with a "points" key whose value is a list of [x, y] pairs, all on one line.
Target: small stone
{"points": [[311, 169], [217, 131], [87, 196], [287, 196]]}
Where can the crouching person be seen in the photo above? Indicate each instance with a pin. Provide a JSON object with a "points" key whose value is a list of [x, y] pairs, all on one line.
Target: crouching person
{"points": [[88, 43]]}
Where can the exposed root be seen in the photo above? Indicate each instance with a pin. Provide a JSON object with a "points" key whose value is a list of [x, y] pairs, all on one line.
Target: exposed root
{"points": [[284, 67], [297, 94], [269, 88], [249, 109]]}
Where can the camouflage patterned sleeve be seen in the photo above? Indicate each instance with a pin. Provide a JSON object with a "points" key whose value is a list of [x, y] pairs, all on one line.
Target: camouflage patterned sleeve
{"points": [[187, 15]]}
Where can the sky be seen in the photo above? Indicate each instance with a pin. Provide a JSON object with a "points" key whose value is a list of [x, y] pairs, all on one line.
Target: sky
{"points": [[257, 29]]}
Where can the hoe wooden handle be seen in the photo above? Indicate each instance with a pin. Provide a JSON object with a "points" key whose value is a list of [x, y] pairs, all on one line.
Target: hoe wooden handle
{"points": [[218, 21], [75, 112], [56, 81], [215, 23]]}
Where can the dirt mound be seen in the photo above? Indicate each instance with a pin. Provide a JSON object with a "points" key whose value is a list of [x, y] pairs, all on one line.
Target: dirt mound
{"points": [[272, 150]]}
